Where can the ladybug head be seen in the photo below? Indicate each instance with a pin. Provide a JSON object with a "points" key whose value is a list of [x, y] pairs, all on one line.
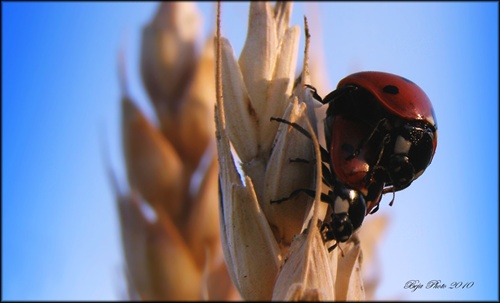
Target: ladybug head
{"points": [[341, 227], [349, 210], [412, 153]]}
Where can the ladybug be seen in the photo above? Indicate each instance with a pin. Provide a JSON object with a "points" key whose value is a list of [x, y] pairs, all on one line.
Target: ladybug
{"points": [[381, 134]]}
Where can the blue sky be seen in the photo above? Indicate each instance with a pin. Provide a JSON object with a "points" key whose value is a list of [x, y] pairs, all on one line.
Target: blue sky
{"points": [[60, 101]]}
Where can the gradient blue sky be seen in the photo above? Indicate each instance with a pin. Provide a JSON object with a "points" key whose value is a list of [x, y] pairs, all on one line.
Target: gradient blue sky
{"points": [[60, 101]]}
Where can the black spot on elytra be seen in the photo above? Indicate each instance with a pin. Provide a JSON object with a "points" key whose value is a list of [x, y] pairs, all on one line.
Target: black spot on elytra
{"points": [[391, 89]]}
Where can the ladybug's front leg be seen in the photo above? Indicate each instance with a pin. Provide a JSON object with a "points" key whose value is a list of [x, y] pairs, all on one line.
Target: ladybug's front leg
{"points": [[325, 156], [315, 93], [333, 95]]}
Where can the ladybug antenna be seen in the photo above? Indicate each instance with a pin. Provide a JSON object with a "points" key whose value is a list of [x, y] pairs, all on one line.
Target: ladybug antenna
{"points": [[341, 250], [393, 196], [335, 246]]}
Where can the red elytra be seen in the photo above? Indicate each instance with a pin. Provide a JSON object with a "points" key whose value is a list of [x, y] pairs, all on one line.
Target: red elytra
{"points": [[410, 102], [354, 171]]}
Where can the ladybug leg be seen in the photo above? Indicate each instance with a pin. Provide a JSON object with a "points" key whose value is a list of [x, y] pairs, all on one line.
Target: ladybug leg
{"points": [[294, 125], [375, 166], [331, 248], [335, 246], [327, 175], [314, 93], [389, 190], [375, 209], [337, 93], [384, 142], [327, 236], [325, 156]]}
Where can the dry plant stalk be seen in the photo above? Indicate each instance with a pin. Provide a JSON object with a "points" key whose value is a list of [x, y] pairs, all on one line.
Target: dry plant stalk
{"points": [[274, 251], [176, 254], [374, 227]]}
